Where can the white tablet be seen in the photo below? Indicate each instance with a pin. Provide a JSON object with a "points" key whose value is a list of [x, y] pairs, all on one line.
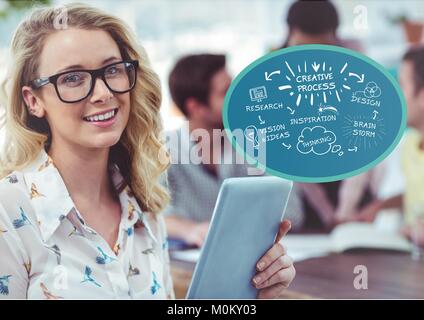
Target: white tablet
{"points": [[244, 225]]}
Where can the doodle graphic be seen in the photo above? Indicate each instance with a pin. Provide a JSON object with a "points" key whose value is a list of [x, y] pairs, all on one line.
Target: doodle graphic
{"points": [[317, 140], [322, 109], [372, 90], [291, 110], [251, 134], [330, 112], [368, 96], [364, 131], [375, 112], [310, 84], [287, 146], [336, 149], [269, 75], [258, 94]]}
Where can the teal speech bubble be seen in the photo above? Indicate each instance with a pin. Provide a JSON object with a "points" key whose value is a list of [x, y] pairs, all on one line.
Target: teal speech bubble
{"points": [[314, 113]]}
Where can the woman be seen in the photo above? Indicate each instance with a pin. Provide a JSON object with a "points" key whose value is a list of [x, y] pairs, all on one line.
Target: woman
{"points": [[80, 197]]}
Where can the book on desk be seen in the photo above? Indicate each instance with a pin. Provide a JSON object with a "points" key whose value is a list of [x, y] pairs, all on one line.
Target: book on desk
{"points": [[345, 237]]}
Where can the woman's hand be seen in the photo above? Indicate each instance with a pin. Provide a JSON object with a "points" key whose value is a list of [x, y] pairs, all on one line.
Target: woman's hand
{"points": [[275, 268]]}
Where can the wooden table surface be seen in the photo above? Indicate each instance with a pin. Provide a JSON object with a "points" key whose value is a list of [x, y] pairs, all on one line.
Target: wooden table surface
{"points": [[391, 275]]}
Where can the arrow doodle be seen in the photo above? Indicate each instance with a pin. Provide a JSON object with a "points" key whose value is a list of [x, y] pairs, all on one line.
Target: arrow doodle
{"points": [[260, 120], [375, 112], [291, 110], [287, 146], [360, 78], [268, 76], [315, 66], [353, 149]]}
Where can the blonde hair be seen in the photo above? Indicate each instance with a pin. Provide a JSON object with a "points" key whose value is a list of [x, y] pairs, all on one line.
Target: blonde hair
{"points": [[140, 146]]}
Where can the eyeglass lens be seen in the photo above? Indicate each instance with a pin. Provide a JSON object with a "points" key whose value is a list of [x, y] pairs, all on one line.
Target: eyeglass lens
{"points": [[76, 85]]}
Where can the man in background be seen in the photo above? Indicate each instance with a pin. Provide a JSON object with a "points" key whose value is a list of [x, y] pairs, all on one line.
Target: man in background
{"points": [[198, 84], [315, 22], [412, 153]]}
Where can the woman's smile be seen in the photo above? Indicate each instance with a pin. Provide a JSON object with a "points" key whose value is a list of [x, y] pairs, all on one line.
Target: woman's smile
{"points": [[102, 119]]}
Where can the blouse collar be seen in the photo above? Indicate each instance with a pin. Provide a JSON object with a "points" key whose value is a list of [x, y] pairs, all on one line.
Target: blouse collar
{"points": [[52, 202]]}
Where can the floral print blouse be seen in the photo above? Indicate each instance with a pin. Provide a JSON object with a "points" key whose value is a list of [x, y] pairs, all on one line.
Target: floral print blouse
{"points": [[49, 252]]}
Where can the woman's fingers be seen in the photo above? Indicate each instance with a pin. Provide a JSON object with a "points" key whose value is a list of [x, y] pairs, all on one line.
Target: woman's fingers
{"points": [[267, 277], [276, 251], [283, 279], [276, 270], [283, 276], [285, 226]]}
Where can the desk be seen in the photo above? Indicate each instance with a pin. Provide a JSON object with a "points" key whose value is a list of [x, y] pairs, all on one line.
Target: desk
{"points": [[390, 276]]}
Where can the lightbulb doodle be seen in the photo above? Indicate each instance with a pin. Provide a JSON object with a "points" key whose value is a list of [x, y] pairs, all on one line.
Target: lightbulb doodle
{"points": [[321, 113]]}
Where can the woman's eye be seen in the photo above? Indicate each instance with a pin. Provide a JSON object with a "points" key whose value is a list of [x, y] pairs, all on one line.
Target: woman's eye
{"points": [[72, 79], [112, 70]]}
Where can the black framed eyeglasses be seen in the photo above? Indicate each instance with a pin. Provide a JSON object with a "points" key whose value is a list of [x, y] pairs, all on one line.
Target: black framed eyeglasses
{"points": [[76, 85]]}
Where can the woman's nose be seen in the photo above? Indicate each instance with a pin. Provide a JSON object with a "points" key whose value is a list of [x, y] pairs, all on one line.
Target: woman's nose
{"points": [[101, 92]]}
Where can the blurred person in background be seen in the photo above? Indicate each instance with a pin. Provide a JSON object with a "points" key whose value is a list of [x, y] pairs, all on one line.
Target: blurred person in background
{"points": [[198, 84], [328, 204], [315, 22], [412, 156]]}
